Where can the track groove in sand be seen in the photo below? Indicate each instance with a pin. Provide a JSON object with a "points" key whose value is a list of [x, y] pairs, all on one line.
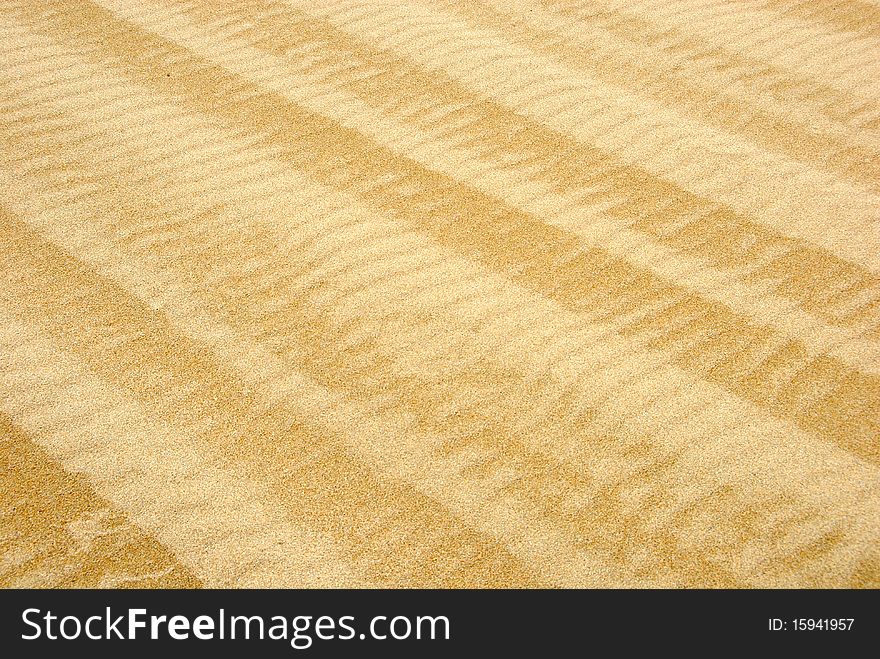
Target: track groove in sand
{"points": [[442, 294]]}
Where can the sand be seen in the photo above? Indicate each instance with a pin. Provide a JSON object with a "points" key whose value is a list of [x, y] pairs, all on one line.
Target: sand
{"points": [[402, 294]]}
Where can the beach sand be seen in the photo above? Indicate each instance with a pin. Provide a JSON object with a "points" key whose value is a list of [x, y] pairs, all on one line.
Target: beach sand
{"points": [[440, 294]]}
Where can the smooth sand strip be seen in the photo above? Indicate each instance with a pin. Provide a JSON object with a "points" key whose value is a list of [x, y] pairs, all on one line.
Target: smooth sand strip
{"points": [[70, 536]]}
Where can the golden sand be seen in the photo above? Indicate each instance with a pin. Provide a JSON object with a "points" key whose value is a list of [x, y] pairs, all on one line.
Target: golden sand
{"points": [[454, 293]]}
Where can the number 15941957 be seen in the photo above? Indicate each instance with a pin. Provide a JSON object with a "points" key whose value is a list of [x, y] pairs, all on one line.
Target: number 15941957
{"points": [[810, 624]]}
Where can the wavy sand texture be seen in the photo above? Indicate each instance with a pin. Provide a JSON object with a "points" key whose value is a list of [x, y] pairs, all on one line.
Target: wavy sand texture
{"points": [[374, 293]]}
